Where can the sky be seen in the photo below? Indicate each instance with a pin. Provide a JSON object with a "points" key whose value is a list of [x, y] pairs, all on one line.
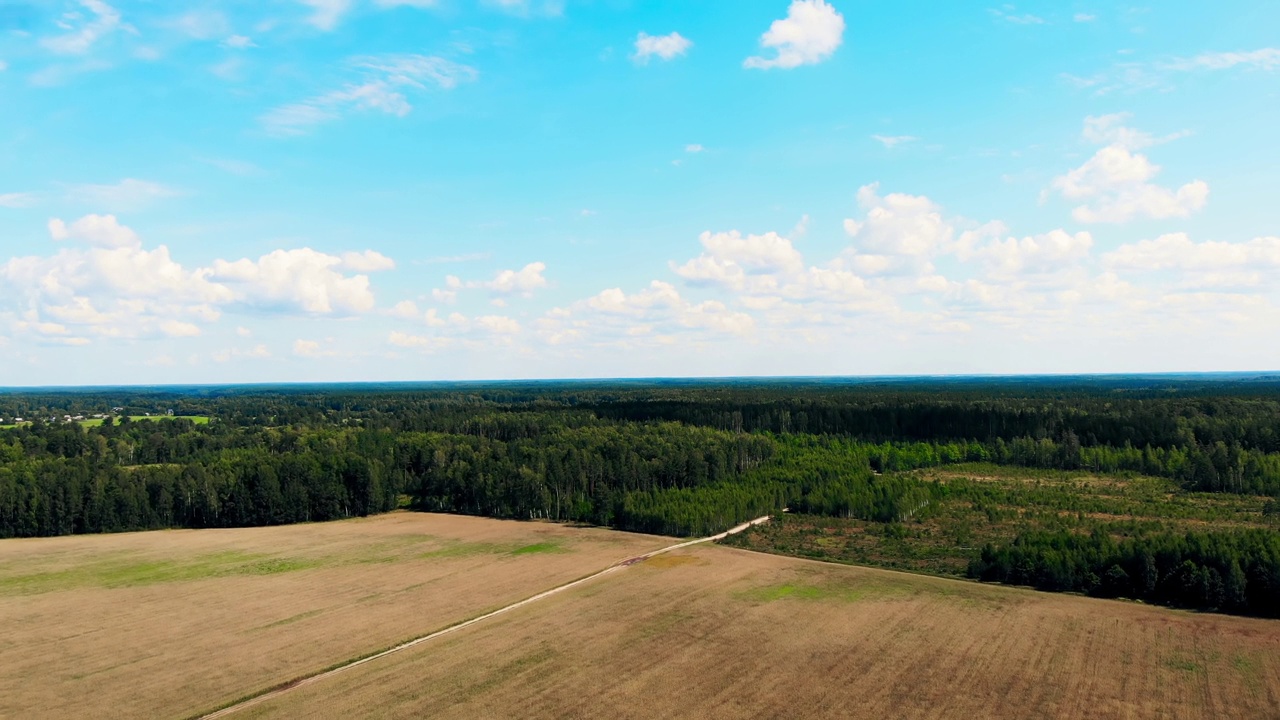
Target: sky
{"points": [[369, 190]]}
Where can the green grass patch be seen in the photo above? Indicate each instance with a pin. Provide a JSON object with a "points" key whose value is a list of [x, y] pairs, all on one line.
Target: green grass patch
{"points": [[458, 549], [121, 573], [827, 589], [1183, 664], [539, 548]]}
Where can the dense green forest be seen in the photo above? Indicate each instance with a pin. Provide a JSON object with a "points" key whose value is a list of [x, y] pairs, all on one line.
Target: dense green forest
{"points": [[685, 458]]}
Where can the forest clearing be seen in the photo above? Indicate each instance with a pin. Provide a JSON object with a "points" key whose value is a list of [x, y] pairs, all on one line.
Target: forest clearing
{"points": [[179, 623]]}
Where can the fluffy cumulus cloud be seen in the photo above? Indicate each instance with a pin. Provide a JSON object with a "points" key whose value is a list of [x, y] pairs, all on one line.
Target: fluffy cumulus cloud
{"points": [[432, 333], [1018, 257], [103, 283], [664, 47], [296, 280], [524, 283], [810, 33], [367, 261], [654, 315], [1116, 184], [729, 259], [1235, 265], [898, 232], [383, 85], [98, 230], [910, 270]]}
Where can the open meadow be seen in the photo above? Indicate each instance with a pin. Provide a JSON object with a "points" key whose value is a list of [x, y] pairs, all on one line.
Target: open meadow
{"points": [[178, 623]]}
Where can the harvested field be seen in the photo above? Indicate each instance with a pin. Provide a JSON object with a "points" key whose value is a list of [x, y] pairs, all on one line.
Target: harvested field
{"points": [[172, 623], [723, 633]]}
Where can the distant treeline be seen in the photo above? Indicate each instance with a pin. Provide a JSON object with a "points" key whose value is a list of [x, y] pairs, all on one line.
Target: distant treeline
{"points": [[1234, 572]]}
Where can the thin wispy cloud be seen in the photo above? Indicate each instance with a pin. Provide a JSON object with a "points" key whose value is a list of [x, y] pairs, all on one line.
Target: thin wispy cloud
{"points": [[1130, 77], [1009, 13], [82, 33], [18, 200], [128, 194], [892, 141], [384, 82]]}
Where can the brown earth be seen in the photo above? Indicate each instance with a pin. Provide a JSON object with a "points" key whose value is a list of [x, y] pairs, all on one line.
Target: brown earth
{"points": [[716, 632], [173, 623]]}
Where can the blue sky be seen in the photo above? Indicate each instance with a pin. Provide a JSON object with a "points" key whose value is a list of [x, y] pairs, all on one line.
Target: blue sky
{"points": [[464, 189]]}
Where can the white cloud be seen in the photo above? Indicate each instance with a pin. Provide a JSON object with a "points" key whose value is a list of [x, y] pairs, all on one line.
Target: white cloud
{"points": [[327, 13], [367, 261], [730, 260], [507, 282], [405, 309], [1160, 75], [1111, 130], [301, 279], [128, 194], [385, 80], [1116, 182], [406, 3], [649, 316], [109, 285], [666, 47], [179, 328], [1084, 17], [899, 224], [893, 141], [98, 230], [243, 168], [244, 331], [417, 342], [80, 39], [18, 200], [239, 42], [1008, 14], [310, 349], [1013, 257], [1176, 251], [1261, 59], [201, 24], [528, 8], [810, 33], [693, 148], [498, 324], [257, 352]]}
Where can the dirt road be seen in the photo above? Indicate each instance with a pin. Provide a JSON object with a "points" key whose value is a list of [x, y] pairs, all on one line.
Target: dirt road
{"points": [[275, 692]]}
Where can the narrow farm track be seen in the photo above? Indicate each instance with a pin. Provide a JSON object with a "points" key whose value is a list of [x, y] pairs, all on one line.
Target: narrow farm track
{"points": [[318, 677]]}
